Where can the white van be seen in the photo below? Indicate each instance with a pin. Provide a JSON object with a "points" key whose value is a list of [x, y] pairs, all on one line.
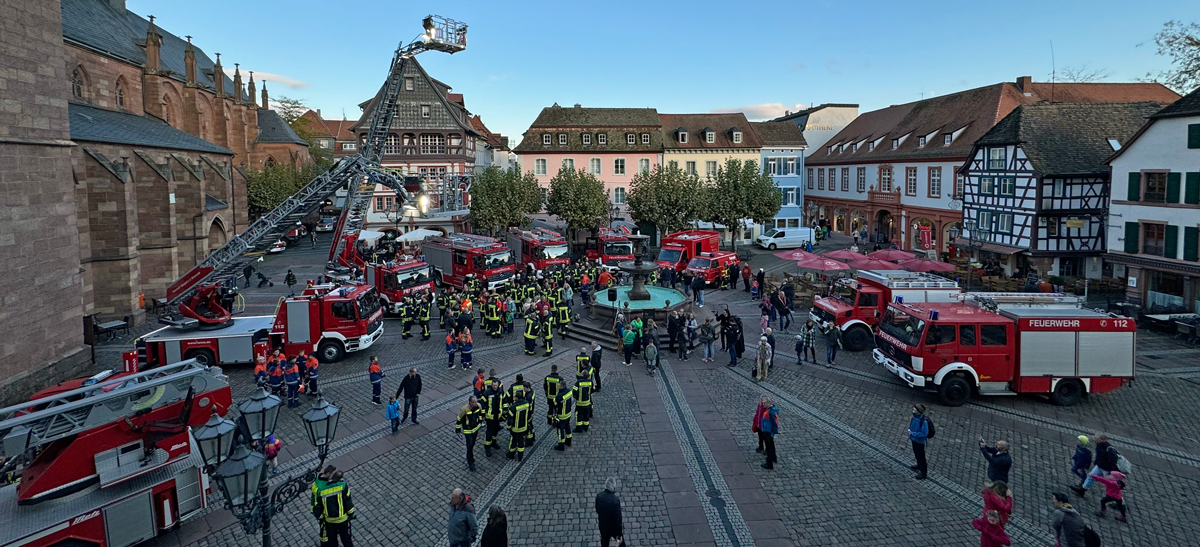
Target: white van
{"points": [[785, 238]]}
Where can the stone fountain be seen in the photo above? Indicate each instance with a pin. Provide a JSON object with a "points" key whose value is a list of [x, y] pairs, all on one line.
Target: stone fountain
{"points": [[638, 268]]}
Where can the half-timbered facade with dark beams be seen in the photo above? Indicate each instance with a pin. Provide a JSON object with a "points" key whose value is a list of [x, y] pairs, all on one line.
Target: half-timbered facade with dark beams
{"points": [[1038, 183]]}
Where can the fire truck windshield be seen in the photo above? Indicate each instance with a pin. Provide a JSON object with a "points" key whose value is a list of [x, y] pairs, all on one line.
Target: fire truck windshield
{"points": [[618, 248], [670, 255], [367, 304], [493, 260], [412, 277], [700, 263], [846, 294], [902, 326], [551, 251]]}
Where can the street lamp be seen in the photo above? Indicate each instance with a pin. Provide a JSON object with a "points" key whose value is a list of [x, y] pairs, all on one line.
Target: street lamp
{"points": [[971, 232], [241, 473]]}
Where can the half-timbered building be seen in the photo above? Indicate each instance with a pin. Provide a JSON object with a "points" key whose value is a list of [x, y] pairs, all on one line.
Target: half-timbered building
{"points": [[1154, 219], [1038, 183]]}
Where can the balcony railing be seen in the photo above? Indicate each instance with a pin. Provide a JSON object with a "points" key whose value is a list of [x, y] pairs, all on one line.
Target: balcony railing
{"points": [[883, 197]]}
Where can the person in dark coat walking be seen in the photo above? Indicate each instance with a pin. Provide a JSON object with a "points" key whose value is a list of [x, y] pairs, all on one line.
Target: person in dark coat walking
{"points": [[290, 281], [770, 427], [1106, 461], [608, 513], [918, 433], [673, 329], [410, 388], [733, 275], [1068, 526], [999, 461], [761, 277], [698, 288], [597, 354], [248, 271], [461, 528], [495, 534], [1082, 460]]}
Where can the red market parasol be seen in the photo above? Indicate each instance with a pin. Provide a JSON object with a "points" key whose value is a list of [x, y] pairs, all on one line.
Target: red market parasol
{"points": [[822, 264], [795, 254], [844, 254], [891, 254], [869, 263], [926, 265]]}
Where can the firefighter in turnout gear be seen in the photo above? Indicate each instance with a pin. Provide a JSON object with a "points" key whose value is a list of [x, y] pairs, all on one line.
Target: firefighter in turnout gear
{"points": [[533, 329], [470, 419], [583, 364], [442, 300], [423, 307], [564, 317], [491, 317], [407, 314], [335, 508], [519, 427], [548, 332], [583, 403], [552, 386], [318, 484], [561, 411], [493, 411]]}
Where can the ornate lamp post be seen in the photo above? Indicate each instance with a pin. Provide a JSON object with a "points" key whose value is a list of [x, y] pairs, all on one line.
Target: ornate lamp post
{"points": [[233, 456], [971, 232]]}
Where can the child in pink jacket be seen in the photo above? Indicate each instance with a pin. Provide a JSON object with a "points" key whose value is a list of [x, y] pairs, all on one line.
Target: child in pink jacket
{"points": [[1114, 492]]}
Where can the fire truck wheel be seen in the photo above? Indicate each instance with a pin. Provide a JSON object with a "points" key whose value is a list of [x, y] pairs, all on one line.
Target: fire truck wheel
{"points": [[1067, 392], [437, 280], [857, 339], [954, 391], [203, 356], [331, 351]]}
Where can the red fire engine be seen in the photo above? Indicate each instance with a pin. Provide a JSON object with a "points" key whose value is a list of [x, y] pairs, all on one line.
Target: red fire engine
{"points": [[1005, 345], [679, 248], [325, 319], [457, 257], [860, 302], [609, 247], [542, 248], [113, 459], [395, 280], [710, 265]]}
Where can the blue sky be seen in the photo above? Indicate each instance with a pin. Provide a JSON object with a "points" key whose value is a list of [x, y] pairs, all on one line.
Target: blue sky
{"points": [[698, 56]]}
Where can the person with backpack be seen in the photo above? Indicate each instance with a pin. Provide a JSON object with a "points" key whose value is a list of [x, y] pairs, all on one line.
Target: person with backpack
{"points": [[1069, 528], [1114, 493], [920, 430], [1106, 461]]}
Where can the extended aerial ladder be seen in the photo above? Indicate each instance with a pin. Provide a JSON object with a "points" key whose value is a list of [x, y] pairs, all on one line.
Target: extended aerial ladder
{"points": [[359, 174]]}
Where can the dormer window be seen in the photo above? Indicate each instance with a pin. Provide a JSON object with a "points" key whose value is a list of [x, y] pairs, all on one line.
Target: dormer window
{"points": [[854, 148], [710, 137], [587, 139], [828, 149], [546, 139], [630, 139], [920, 141], [645, 138], [683, 137], [870, 146], [602, 139], [895, 144], [947, 139], [562, 139], [737, 137]]}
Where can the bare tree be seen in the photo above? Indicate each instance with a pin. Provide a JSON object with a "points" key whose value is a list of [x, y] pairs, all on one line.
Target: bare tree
{"points": [[1181, 43], [1082, 74]]}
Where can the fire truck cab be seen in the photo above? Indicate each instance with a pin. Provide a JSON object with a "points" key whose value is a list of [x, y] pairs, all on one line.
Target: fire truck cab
{"points": [[459, 257], [963, 348], [858, 303], [609, 247], [678, 249], [542, 248], [710, 265], [395, 280]]}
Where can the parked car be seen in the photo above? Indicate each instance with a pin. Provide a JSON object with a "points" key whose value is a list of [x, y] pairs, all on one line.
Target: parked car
{"points": [[279, 247], [787, 238], [326, 225]]}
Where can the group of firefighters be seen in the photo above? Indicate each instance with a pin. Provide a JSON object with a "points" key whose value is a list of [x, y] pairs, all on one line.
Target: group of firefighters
{"points": [[492, 405], [287, 378]]}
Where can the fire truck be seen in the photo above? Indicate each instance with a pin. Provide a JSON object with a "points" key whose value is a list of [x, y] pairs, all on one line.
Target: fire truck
{"points": [[710, 265], [459, 257], [858, 303], [678, 249], [395, 280], [609, 247], [542, 248], [1005, 345], [329, 320], [111, 463]]}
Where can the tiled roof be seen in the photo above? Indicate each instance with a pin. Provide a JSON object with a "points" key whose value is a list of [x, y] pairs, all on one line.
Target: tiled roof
{"points": [[457, 111], [577, 116], [778, 133], [91, 124], [341, 129], [807, 111], [973, 111], [1189, 105], [695, 123], [456, 98], [96, 25], [316, 125], [213, 204], [1062, 138], [272, 129]]}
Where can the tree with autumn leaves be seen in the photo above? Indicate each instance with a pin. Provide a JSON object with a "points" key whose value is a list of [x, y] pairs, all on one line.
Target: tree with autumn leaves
{"points": [[578, 198], [666, 197], [503, 199]]}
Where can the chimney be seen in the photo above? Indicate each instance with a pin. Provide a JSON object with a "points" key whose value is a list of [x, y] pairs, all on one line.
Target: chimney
{"points": [[189, 63], [250, 92], [237, 83], [266, 105], [218, 78], [577, 105], [1025, 83], [118, 5], [153, 48], [504, 143], [318, 112]]}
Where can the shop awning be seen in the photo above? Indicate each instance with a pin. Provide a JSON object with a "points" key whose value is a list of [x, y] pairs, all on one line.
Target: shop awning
{"points": [[990, 247]]}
